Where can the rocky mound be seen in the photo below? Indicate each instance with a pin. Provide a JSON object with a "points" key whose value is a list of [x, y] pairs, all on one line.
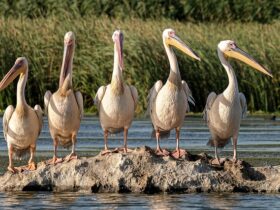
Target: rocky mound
{"points": [[141, 171]]}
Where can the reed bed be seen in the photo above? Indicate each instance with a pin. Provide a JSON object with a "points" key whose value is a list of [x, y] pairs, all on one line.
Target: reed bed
{"points": [[41, 41], [262, 11]]}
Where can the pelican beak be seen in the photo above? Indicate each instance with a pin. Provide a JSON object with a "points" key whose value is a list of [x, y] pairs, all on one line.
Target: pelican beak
{"points": [[11, 75], [178, 43], [241, 55], [119, 45], [69, 45]]}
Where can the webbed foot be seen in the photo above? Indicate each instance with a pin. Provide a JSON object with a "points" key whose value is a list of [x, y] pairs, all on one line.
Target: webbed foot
{"points": [[162, 152], [70, 157], [54, 161], [178, 153]]}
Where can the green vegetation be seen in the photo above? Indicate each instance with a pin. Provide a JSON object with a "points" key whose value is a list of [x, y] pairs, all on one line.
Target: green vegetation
{"points": [[184, 10], [41, 41]]}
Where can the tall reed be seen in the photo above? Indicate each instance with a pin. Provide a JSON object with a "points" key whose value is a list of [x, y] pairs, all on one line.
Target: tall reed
{"points": [[184, 10], [41, 41]]}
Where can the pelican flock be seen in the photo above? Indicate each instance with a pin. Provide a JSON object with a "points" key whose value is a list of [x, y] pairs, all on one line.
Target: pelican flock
{"points": [[65, 107], [21, 125], [223, 112], [117, 101], [169, 103]]}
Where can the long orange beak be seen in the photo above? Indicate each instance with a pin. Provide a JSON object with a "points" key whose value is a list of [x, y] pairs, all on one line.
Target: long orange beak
{"points": [[69, 47], [119, 45], [178, 43], [11, 75], [241, 55]]}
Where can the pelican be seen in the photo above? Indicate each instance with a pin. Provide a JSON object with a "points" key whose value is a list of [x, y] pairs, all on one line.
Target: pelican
{"points": [[168, 103], [117, 101], [223, 112], [65, 107], [21, 125]]}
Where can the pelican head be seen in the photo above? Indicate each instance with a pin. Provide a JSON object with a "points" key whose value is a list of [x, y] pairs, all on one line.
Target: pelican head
{"points": [[169, 38], [20, 67], [230, 49], [69, 47], [118, 40]]}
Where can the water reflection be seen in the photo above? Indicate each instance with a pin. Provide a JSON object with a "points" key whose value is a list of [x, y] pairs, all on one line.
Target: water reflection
{"points": [[164, 201], [56, 199], [14, 199], [48, 200], [222, 201]]}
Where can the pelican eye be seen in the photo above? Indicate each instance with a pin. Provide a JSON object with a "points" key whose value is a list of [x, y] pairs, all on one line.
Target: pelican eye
{"points": [[19, 64], [68, 41], [171, 33], [232, 45]]}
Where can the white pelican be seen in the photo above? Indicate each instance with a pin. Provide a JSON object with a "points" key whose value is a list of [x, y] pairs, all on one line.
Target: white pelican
{"points": [[117, 101], [22, 125], [223, 112], [168, 103], [65, 107]]}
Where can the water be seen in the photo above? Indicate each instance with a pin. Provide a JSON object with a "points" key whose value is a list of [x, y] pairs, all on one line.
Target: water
{"points": [[40, 200], [259, 144]]}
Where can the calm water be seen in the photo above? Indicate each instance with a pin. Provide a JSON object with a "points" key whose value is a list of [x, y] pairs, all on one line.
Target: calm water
{"points": [[39, 200], [259, 144]]}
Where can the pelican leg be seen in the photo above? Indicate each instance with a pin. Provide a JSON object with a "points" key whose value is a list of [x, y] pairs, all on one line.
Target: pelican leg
{"points": [[234, 158], [159, 151], [55, 159], [106, 149], [31, 164], [11, 167], [124, 148], [217, 161], [178, 153], [216, 154], [125, 132], [72, 155]]}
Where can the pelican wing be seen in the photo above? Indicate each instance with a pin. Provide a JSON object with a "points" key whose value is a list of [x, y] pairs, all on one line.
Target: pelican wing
{"points": [[134, 95], [47, 98], [80, 102], [210, 100], [243, 104], [6, 118], [99, 96], [188, 93], [39, 114], [152, 95]]}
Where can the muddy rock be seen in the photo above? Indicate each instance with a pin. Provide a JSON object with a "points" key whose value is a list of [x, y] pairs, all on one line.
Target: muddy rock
{"points": [[141, 171]]}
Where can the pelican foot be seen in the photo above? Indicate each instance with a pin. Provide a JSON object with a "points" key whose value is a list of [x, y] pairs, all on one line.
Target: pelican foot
{"points": [[31, 166], [218, 161], [162, 152], [236, 161], [122, 150], [178, 153], [12, 169], [70, 157], [54, 161], [105, 152]]}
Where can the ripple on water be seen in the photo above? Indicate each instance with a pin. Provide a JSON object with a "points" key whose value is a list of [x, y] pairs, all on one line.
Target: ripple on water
{"points": [[48, 200]]}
